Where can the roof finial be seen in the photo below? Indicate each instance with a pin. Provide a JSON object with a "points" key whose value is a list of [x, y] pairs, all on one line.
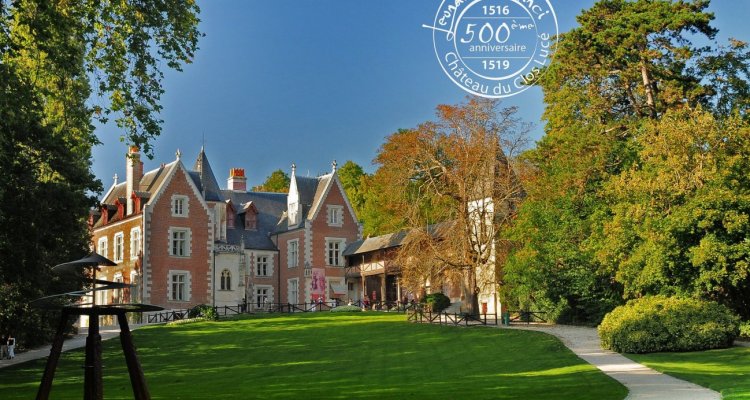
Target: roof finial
{"points": [[333, 166], [178, 154], [115, 178], [294, 168]]}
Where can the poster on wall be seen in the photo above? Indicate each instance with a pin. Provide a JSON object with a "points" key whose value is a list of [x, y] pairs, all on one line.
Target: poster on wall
{"points": [[318, 284]]}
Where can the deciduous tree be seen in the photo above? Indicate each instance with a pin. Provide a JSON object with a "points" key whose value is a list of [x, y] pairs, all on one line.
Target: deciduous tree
{"points": [[62, 66], [453, 182]]}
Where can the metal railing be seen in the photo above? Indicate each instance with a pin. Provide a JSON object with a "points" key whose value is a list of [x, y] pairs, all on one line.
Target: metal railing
{"points": [[424, 315], [527, 316], [166, 316]]}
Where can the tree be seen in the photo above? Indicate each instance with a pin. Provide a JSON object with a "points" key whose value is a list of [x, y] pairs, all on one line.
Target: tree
{"points": [[628, 65], [352, 177], [62, 65], [682, 215], [453, 183], [277, 182]]}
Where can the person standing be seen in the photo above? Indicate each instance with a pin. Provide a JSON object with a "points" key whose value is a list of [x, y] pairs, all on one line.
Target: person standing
{"points": [[11, 347]]}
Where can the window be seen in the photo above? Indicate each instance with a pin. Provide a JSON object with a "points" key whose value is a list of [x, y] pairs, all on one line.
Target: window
{"points": [[292, 251], [334, 248], [133, 291], [293, 291], [261, 266], [135, 243], [262, 297], [335, 215], [119, 247], [226, 280], [179, 242], [179, 285], [117, 293], [179, 206], [101, 247]]}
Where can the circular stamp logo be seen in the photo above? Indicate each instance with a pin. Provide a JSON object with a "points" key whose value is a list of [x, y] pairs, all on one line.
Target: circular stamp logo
{"points": [[494, 48]]}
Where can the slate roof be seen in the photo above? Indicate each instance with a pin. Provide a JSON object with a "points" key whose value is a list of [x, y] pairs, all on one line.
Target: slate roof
{"points": [[270, 208], [375, 243], [440, 229], [204, 178]]}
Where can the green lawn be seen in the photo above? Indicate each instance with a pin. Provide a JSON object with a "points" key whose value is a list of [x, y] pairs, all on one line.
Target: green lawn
{"points": [[727, 370], [324, 355]]}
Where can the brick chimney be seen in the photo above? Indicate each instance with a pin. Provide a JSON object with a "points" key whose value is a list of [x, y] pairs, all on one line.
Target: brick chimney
{"points": [[237, 180], [134, 172]]}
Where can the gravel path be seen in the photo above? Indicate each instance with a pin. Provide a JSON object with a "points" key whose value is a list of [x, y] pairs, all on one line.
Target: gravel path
{"points": [[75, 342], [642, 382]]}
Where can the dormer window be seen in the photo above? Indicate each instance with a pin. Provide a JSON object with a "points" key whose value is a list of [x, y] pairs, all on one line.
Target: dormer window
{"points": [[179, 206], [293, 213], [251, 221], [251, 216], [136, 203], [230, 214], [120, 210]]}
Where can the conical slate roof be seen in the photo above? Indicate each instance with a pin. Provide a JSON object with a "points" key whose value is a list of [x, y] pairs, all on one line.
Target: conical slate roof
{"points": [[207, 183]]}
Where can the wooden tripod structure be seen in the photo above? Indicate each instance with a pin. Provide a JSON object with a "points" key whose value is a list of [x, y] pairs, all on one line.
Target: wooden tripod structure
{"points": [[92, 384]]}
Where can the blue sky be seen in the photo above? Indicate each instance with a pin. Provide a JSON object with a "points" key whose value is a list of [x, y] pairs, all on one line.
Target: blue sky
{"points": [[283, 81]]}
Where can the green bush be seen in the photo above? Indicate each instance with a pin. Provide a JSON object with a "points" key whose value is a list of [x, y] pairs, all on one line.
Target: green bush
{"points": [[745, 329], [346, 309], [436, 302], [659, 323], [203, 310]]}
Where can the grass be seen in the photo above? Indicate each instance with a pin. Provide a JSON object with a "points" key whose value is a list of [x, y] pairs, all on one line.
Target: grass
{"points": [[727, 370], [332, 356]]}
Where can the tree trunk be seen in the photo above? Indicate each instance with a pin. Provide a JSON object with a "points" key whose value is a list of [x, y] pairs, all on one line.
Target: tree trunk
{"points": [[649, 86], [470, 294]]}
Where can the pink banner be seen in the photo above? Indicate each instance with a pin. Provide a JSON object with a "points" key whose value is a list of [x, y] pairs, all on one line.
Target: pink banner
{"points": [[318, 284]]}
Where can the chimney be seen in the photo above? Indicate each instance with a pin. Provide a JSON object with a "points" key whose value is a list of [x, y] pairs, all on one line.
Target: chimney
{"points": [[134, 173], [237, 180]]}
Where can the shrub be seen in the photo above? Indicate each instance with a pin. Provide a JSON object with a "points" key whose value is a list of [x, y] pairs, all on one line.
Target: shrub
{"points": [[346, 309], [659, 323], [203, 310], [745, 329], [436, 302]]}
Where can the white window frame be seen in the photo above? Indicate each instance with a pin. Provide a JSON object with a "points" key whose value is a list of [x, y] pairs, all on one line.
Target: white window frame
{"points": [[117, 293], [292, 283], [134, 287], [266, 261], [267, 293], [180, 295], [341, 243], [180, 206], [135, 243], [335, 215], [186, 250], [119, 247], [102, 246], [292, 253]]}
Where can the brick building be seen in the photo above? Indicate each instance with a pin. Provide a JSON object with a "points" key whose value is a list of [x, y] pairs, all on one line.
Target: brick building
{"points": [[182, 241]]}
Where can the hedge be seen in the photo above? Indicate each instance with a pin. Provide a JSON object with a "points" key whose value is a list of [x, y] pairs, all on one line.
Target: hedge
{"points": [[659, 323], [437, 302]]}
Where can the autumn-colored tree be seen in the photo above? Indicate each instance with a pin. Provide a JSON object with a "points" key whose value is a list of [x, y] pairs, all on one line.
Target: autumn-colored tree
{"points": [[452, 181], [277, 182]]}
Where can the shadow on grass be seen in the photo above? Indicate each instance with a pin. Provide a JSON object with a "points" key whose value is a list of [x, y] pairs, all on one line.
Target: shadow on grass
{"points": [[369, 356]]}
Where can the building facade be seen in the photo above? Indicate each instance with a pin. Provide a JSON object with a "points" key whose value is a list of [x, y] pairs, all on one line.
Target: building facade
{"points": [[181, 240]]}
